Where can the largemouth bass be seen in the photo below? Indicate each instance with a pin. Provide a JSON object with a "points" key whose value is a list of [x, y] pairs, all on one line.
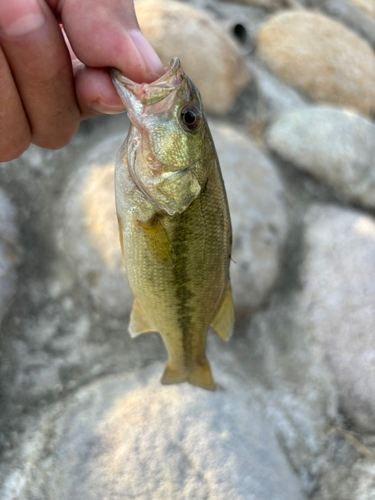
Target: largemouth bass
{"points": [[174, 222]]}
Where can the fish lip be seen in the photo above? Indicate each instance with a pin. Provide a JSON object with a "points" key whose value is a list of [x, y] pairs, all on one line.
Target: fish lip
{"points": [[174, 65]]}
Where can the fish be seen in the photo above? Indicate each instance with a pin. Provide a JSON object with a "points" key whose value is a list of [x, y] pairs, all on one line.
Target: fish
{"points": [[174, 222]]}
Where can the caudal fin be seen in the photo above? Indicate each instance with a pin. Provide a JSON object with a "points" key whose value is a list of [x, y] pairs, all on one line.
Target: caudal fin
{"points": [[174, 374], [199, 376]]}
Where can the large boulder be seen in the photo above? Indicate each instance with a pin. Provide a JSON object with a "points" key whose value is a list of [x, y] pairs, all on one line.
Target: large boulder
{"points": [[321, 58], [88, 235], [208, 55], [337, 301], [259, 218], [334, 145], [130, 437]]}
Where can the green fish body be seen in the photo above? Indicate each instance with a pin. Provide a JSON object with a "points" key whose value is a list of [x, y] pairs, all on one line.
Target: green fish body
{"points": [[174, 222]]}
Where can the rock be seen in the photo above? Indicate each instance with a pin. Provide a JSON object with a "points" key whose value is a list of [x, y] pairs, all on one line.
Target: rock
{"points": [[321, 58], [350, 14], [348, 483], [8, 253], [271, 4], [337, 301], [89, 233], [130, 437], [334, 145], [208, 56], [274, 96], [366, 6], [275, 360], [258, 213]]}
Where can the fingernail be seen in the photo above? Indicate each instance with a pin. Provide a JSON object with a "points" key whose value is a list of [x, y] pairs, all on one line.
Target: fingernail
{"points": [[20, 17], [107, 109], [153, 64]]}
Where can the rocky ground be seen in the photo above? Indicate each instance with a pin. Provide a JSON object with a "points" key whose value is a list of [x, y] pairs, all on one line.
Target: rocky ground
{"points": [[289, 90]]}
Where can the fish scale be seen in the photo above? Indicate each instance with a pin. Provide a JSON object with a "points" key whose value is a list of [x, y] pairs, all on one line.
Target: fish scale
{"points": [[176, 245]]}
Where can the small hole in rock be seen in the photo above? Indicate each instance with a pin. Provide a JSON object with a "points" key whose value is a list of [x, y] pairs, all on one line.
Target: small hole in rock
{"points": [[240, 33]]}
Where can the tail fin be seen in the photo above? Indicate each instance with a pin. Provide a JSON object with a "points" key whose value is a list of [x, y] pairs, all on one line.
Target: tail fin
{"points": [[199, 376], [174, 374]]}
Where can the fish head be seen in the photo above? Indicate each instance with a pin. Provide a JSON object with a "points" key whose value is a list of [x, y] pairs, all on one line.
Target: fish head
{"points": [[168, 116]]}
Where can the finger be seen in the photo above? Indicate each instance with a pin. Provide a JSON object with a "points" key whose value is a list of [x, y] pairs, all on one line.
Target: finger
{"points": [[14, 126], [95, 92], [107, 34], [39, 60]]}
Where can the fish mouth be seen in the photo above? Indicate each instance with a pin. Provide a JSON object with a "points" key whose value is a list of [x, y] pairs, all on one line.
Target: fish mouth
{"points": [[149, 93], [174, 65]]}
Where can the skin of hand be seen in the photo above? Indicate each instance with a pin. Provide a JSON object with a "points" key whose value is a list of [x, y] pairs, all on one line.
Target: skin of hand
{"points": [[52, 78]]}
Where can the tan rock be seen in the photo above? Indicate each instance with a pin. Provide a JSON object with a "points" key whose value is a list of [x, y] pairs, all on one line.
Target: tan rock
{"points": [[272, 4], [320, 57], [209, 57], [98, 204], [366, 6]]}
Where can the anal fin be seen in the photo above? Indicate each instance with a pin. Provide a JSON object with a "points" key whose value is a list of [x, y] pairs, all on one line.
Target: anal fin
{"points": [[224, 319], [138, 321]]}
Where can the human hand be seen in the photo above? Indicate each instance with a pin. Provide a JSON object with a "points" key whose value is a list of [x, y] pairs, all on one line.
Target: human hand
{"points": [[46, 89]]}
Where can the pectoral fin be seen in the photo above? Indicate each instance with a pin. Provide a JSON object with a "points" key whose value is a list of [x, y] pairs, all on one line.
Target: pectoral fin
{"points": [[157, 241], [224, 319], [138, 321]]}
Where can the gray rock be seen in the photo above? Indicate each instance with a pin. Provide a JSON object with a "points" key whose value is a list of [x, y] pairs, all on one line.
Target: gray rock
{"points": [[335, 145], [352, 16], [130, 437], [350, 476], [88, 235], [258, 213], [276, 361], [275, 97], [8, 253], [337, 301]]}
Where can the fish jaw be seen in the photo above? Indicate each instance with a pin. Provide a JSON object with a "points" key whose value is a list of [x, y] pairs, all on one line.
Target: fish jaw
{"points": [[138, 97]]}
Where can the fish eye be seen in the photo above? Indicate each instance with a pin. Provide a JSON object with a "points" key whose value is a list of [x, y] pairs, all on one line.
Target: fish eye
{"points": [[191, 117]]}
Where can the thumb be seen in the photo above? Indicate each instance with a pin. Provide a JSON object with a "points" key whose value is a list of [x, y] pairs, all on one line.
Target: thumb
{"points": [[106, 33]]}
